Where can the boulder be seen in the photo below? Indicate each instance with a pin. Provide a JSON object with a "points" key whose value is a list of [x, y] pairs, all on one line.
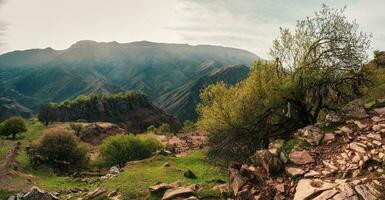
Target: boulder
{"points": [[236, 180], [245, 194], [265, 159], [328, 194], [307, 188], [37, 194], [182, 192], [354, 109], [310, 134], [380, 111], [367, 191], [301, 157], [97, 193], [328, 137], [114, 170]]}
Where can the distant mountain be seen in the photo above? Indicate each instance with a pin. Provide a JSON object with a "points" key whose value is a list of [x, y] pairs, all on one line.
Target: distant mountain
{"points": [[38, 76], [182, 101]]}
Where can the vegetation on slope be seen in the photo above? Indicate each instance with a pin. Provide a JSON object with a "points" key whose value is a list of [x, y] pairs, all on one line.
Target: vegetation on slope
{"points": [[130, 110]]}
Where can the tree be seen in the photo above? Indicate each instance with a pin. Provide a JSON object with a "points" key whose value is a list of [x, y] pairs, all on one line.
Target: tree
{"points": [[316, 68], [12, 126], [46, 114], [324, 58]]}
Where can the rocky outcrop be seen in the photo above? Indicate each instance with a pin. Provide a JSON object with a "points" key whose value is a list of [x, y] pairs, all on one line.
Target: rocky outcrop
{"points": [[181, 143], [354, 109]]}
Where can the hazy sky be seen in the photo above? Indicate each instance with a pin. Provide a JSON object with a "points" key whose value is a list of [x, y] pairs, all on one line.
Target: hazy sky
{"points": [[246, 24]]}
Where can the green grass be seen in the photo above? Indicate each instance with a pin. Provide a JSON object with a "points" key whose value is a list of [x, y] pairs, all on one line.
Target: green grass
{"points": [[289, 145], [5, 147], [137, 178]]}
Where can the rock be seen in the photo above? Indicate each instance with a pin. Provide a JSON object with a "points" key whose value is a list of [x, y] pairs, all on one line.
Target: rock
{"points": [[301, 157], [328, 137], [367, 191], [223, 188], [310, 134], [346, 130], [265, 159], [360, 125], [283, 157], [357, 148], [189, 174], [280, 187], [236, 180], [183, 192], [309, 187], [374, 136], [312, 173], [98, 192], [114, 170], [347, 192], [245, 194], [354, 109], [163, 152], [160, 187], [332, 117], [376, 127], [37, 194], [380, 111], [329, 165], [276, 146], [167, 164], [326, 194], [294, 172]]}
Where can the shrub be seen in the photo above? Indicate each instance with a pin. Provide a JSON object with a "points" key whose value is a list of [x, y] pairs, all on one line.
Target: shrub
{"points": [[59, 148], [188, 126], [12, 126], [164, 128], [76, 127], [118, 149]]}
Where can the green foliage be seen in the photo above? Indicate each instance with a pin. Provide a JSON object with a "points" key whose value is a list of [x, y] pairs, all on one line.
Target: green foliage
{"points": [[376, 53], [118, 149], [188, 126], [77, 128], [12, 126], [164, 128], [316, 68], [59, 148], [289, 145]]}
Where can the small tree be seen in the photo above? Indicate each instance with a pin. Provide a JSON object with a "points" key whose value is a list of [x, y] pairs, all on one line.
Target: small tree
{"points": [[164, 128], [12, 126], [188, 126], [376, 53], [46, 114]]}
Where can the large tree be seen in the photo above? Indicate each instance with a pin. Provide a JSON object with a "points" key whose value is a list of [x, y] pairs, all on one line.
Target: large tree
{"points": [[324, 58], [317, 67], [13, 126]]}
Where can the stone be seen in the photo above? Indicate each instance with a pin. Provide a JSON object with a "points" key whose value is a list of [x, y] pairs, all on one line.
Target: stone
{"points": [[114, 170], [328, 137], [345, 129], [332, 117], [367, 192], [301, 157], [329, 165], [360, 125], [374, 136], [376, 127], [160, 187], [97, 193], [311, 174], [283, 157], [354, 109], [265, 159], [326, 194], [37, 194], [347, 192], [310, 134], [376, 119], [183, 192], [163, 152], [236, 180], [245, 194], [276, 146], [294, 172], [306, 188], [189, 174], [380, 111], [280, 187], [357, 148]]}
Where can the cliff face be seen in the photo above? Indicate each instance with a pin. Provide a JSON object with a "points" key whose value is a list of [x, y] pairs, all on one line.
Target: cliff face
{"points": [[131, 111]]}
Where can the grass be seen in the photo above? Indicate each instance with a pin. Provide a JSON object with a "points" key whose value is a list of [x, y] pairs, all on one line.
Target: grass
{"points": [[137, 178], [289, 145]]}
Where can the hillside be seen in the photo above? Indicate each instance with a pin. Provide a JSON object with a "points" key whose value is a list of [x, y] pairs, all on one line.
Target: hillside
{"points": [[182, 101], [37, 76], [131, 111]]}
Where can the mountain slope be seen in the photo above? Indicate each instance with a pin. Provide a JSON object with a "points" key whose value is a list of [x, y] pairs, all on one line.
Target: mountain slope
{"points": [[182, 101], [37, 76]]}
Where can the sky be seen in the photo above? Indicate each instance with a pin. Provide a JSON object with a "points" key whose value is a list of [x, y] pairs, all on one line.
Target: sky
{"points": [[245, 24]]}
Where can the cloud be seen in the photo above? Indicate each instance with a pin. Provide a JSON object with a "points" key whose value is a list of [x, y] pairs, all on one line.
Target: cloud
{"points": [[253, 24], [3, 27]]}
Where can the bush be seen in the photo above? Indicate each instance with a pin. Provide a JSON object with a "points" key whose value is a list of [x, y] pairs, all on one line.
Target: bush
{"points": [[59, 148], [12, 126], [118, 149], [162, 129], [188, 126]]}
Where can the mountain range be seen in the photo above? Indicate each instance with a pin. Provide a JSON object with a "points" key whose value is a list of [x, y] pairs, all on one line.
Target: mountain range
{"points": [[171, 75]]}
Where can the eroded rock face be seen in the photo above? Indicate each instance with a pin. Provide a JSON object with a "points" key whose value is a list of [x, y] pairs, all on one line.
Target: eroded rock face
{"points": [[270, 162]]}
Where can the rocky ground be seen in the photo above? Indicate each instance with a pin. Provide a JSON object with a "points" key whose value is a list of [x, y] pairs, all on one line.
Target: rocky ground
{"points": [[344, 162]]}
